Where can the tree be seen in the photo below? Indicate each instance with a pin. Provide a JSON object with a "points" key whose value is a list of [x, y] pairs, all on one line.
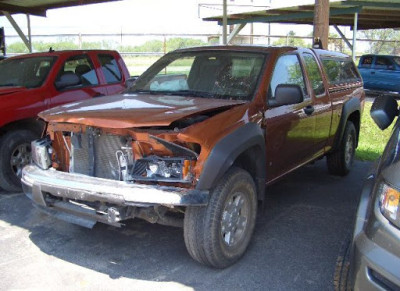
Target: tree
{"points": [[290, 40], [378, 44]]}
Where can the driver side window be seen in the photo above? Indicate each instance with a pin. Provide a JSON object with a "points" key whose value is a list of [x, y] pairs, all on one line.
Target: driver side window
{"points": [[287, 71], [79, 68]]}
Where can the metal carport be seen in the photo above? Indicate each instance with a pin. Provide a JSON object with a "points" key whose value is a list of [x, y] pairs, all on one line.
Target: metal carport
{"points": [[38, 8], [358, 14]]}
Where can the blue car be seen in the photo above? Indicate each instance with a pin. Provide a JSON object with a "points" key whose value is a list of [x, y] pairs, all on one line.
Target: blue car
{"points": [[375, 262], [380, 73]]}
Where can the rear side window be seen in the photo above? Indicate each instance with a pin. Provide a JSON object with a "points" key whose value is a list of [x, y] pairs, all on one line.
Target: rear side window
{"points": [[366, 62], [383, 63], [340, 70], [397, 60], [314, 74], [82, 67], [110, 68]]}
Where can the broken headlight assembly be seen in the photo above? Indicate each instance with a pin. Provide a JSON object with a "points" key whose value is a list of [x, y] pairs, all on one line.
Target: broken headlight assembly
{"points": [[389, 203], [159, 169], [41, 152]]}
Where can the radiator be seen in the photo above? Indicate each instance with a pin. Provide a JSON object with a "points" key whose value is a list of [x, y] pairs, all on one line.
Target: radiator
{"points": [[97, 155]]}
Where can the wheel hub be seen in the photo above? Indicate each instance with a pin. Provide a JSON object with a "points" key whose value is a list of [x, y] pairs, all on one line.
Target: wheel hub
{"points": [[20, 157], [234, 219], [349, 150]]}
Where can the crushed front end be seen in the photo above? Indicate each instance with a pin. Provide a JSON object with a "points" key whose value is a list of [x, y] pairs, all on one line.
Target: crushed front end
{"points": [[84, 174]]}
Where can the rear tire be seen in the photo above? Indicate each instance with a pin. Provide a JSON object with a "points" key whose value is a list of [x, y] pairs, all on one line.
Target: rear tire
{"points": [[218, 235], [341, 161], [15, 153]]}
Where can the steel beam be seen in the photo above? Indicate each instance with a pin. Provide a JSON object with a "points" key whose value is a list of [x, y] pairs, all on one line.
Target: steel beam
{"points": [[235, 31], [18, 30], [293, 16], [343, 37]]}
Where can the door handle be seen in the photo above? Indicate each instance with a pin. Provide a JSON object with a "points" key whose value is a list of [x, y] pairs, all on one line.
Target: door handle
{"points": [[309, 109]]}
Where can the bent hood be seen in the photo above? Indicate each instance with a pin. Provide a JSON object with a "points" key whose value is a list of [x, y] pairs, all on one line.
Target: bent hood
{"points": [[133, 110]]}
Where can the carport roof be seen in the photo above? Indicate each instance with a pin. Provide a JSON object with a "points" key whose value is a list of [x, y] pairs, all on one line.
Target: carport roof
{"points": [[372, 14], [39, 7]]}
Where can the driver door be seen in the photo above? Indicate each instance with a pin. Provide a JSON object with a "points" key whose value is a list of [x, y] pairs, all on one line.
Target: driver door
{"points": [[289, 128]]}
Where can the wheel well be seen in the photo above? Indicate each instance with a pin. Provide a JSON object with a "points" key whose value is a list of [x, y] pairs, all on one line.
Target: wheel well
{"points": [[355, 118], [32, 124], [252, 160]]}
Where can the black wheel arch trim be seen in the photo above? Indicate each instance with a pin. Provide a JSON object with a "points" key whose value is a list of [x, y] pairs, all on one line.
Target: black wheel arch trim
{"points": [[349, 107], [228, 149]]}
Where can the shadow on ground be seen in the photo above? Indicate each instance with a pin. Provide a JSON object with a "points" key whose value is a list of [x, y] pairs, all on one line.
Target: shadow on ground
{"points": [[295, 245]]}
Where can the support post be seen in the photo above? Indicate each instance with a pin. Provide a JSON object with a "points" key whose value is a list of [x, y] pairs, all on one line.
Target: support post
{"points": [[321, 22], [28, 20], [355, 28], [224, 23]]}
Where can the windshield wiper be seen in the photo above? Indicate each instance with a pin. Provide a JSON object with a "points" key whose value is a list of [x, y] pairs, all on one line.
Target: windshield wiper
{"points": [[178, 92], [145, 92], [195, 93]]}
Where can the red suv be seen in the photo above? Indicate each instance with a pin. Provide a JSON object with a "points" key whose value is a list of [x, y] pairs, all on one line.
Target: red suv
{"points": [[35, 82]]}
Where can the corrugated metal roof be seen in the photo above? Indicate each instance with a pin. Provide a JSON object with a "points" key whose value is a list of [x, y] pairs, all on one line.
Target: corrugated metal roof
{"points": [[372, 14], [39, 7]]}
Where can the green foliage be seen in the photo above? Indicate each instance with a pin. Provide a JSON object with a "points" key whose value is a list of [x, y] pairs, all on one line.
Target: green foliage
{"points": [[105, 45], [156, 46], [378, 46], [372, 139], [290, 40], [177, 43], [17, 47]]}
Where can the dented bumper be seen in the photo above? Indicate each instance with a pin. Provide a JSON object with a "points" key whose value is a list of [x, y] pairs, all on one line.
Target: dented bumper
{"points": [[38, 183]]}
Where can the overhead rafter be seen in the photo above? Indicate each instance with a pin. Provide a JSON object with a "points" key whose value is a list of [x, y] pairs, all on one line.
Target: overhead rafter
{"points": [[371, 14], [39, 7]]}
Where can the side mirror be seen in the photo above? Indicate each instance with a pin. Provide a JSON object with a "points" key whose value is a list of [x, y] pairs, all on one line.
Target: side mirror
{"points": [[384, 110], [286, 94], [67, 80]]}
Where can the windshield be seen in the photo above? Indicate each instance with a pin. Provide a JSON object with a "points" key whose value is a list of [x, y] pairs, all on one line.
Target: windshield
{"points": [[211, 74], [25, 72]]}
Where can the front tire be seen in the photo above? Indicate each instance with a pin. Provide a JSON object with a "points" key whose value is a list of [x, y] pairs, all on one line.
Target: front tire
{"points": [[218, 235], [341, 161], [15, 153]]}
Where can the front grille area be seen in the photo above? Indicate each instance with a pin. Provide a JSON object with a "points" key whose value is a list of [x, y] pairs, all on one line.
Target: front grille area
{"points": [[97, 155]]}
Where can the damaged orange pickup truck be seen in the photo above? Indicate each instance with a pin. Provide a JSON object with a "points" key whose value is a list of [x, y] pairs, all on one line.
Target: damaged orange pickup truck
{"points": [[196, 141]]}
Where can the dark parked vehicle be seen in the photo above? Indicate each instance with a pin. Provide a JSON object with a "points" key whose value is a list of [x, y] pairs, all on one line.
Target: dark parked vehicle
{"points": [[375, 263], [196, 140], [380, 73]]}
